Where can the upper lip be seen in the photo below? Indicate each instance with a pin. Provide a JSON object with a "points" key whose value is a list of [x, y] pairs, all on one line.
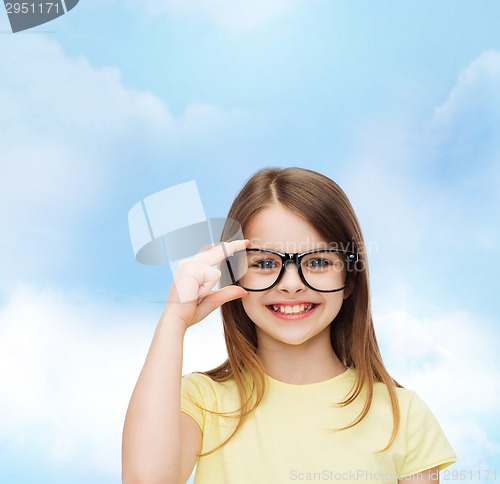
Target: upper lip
{"points": [[290, 303]]}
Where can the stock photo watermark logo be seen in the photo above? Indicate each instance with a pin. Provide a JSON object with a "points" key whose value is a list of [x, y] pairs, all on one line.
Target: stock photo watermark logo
{"points": [[26, 15], [170, 225]]}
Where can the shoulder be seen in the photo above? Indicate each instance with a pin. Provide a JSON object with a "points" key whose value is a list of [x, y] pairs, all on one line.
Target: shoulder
{"points": [[415, 410], [412, 405], [203, 389], [406, 397], [196, 378], [410, 402], [204, 381], [198, 383]]}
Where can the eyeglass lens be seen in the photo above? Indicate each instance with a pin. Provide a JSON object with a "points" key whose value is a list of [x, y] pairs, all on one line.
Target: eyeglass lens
{"points": [[257, 270]]}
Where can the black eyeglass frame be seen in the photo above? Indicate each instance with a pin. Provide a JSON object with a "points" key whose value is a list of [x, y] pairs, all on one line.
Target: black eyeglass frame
{"points": [[288, 257]]}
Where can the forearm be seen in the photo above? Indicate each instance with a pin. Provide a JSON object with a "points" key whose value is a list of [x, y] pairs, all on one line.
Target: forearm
{"points": [[151, 451]]}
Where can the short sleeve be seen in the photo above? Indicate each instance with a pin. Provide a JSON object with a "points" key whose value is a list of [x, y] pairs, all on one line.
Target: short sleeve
{"points": [[192, 397], [426, 443]]}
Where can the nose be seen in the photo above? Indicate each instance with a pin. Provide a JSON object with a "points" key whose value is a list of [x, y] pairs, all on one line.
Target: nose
{"points": [[290, 282]]}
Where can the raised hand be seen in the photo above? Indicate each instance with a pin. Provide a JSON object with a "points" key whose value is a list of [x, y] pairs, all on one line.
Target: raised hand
{"points": [[191, 297]]}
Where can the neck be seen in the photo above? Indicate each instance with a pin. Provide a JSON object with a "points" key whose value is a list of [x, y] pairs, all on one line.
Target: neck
{"points": [[311, 362]]}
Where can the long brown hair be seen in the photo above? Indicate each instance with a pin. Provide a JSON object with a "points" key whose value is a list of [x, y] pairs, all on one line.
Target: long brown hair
{"points": [[326, 207]]}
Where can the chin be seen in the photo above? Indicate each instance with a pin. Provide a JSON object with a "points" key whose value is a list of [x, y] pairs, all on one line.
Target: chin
{"points": [[287, 337]]}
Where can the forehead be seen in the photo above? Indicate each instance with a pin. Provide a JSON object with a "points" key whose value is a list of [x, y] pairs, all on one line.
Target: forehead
{"points": [[278, 228]]}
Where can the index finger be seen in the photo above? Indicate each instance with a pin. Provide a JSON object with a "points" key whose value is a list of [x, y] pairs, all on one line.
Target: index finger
{"points": [[221, 251]]}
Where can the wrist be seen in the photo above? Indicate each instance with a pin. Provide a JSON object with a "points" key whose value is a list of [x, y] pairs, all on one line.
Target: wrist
{"points": [[173, 322]]}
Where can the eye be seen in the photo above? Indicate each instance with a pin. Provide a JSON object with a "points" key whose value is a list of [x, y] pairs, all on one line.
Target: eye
{"points": [[318, 262], [265, 264]]}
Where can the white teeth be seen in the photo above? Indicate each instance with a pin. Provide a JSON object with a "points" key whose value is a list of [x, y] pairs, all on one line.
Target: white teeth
{"points": [[297, 309]]}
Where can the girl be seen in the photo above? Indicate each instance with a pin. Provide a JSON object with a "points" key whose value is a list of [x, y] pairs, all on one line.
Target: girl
{"points": [[304, 394]]}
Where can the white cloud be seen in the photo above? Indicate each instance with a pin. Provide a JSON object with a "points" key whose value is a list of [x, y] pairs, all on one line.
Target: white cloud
{"points": [[237, 16], [60, 119], [464, 133], [67, 369], [429, 196], [475, 92], [463, 130], [69, 365], [451, 361], [67, 131]]}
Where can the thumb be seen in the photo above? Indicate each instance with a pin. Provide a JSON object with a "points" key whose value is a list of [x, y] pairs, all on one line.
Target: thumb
{"points": [[218, 298]]}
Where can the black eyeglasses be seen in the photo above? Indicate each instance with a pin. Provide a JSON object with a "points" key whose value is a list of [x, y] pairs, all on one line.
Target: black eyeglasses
{"points": [[323, 270]]}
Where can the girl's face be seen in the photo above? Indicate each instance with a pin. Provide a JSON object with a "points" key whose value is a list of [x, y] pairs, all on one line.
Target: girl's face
{"points": [[277, 228]]}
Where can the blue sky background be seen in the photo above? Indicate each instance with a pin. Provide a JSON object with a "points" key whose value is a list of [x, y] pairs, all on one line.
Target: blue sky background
{"points": [[399, 102]]}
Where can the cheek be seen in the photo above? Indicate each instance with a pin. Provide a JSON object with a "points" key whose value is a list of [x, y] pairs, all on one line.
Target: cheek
{"points": [[252, 305], [333, 305]]}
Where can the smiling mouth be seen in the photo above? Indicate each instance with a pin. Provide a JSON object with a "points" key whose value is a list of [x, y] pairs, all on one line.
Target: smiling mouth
{"points": [[296, 309]]}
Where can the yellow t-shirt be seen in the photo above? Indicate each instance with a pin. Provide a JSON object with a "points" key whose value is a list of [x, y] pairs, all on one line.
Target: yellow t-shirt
{"points": [[289, 436]]}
